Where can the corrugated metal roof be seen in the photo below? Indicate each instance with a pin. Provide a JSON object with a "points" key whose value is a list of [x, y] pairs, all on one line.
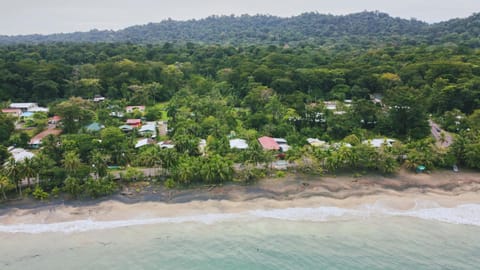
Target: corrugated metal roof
{"points": [[268, 143], [238, 144]]}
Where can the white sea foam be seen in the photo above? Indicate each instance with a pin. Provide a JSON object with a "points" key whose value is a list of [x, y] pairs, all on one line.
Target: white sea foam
{"points": [[89, 225], [310, 214], [467, 214]]}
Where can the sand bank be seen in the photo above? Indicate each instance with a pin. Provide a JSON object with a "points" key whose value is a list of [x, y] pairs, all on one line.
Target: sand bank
{"points": [[404, 191]]}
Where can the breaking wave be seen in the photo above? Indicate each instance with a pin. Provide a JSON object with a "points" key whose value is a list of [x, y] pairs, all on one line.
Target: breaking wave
{"points": [[467, 214]]}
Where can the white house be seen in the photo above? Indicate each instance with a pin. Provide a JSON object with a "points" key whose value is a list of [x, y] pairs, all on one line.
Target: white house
{"points": [[20, 154], [98, 98], [282, 143], [143, 142], [316, 142], [130, 109], [238, 144], [166, 144], [377, 143], [38, 109], [150, 129], [24, 106]]}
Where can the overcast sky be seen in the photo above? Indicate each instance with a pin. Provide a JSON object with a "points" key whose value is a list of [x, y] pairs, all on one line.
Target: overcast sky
{"points": [[55, 16]]}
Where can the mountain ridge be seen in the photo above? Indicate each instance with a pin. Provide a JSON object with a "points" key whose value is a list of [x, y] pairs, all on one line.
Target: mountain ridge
{"points": [[268, 29]]}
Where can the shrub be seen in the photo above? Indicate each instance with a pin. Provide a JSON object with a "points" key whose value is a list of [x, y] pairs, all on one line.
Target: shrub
{"points": [[55, 192], [133, 174], [170, 183], [40, 194], [101, 187], [73, 186]]}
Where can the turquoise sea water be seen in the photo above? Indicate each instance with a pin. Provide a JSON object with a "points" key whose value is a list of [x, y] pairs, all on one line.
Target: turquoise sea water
{"points": [[320, 238]]}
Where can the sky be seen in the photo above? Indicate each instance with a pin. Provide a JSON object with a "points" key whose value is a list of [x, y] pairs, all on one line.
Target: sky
{"points": [[57, 16]]}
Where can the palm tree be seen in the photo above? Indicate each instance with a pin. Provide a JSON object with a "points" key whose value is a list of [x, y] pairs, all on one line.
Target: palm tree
{"points": [[4, 183], [12, 170], [207, 171], [156, 159], [99, 164], [71, 162], [185, 170], [43, 165], [28, 169], [168, 159]]}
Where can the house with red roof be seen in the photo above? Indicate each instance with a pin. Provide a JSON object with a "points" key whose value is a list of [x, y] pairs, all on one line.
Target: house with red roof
{"points": [[268, 143], [135, 123], [54, 120], [36, 141], [13, 112]]}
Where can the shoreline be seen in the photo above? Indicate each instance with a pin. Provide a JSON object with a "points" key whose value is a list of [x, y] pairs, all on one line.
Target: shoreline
{"points": [[401, 192]]}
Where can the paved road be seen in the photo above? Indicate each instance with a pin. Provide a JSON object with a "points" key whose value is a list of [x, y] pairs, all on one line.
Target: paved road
{"points": [[437, 132]]}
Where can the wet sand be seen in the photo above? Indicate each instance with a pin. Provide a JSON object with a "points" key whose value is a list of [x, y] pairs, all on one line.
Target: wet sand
{"points": [[402, 191]]}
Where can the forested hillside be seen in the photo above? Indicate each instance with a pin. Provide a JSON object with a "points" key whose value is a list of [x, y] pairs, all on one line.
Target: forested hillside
{"points": [[445, 77], [360, 28]]}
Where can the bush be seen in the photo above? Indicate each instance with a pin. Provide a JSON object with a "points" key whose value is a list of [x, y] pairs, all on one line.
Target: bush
{"points": [[73, 186], [250, 174], [55, 192], [26, 192], [133, 174], [170, 183], [101, 187], [40, 194]]}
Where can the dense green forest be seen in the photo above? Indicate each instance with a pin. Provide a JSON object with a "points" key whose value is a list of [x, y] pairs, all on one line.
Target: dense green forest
{"points": [[365, 28], [219, 92]]}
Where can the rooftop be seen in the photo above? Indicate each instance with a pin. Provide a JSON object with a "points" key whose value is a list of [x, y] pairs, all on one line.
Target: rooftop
{"points": [[23, 105], [268, 143], [238, 144], [20, 154], [377, 143], [37, 139]]}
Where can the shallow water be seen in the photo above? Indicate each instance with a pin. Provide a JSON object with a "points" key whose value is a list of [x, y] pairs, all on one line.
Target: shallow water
{"points": [[369, 237]]}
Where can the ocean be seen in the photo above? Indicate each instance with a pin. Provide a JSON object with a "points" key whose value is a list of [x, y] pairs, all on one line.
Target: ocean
{"points": [[367, 237]]}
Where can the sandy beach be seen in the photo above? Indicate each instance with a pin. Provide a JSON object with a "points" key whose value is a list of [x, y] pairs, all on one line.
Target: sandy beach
{"points": [[403, 191]]}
